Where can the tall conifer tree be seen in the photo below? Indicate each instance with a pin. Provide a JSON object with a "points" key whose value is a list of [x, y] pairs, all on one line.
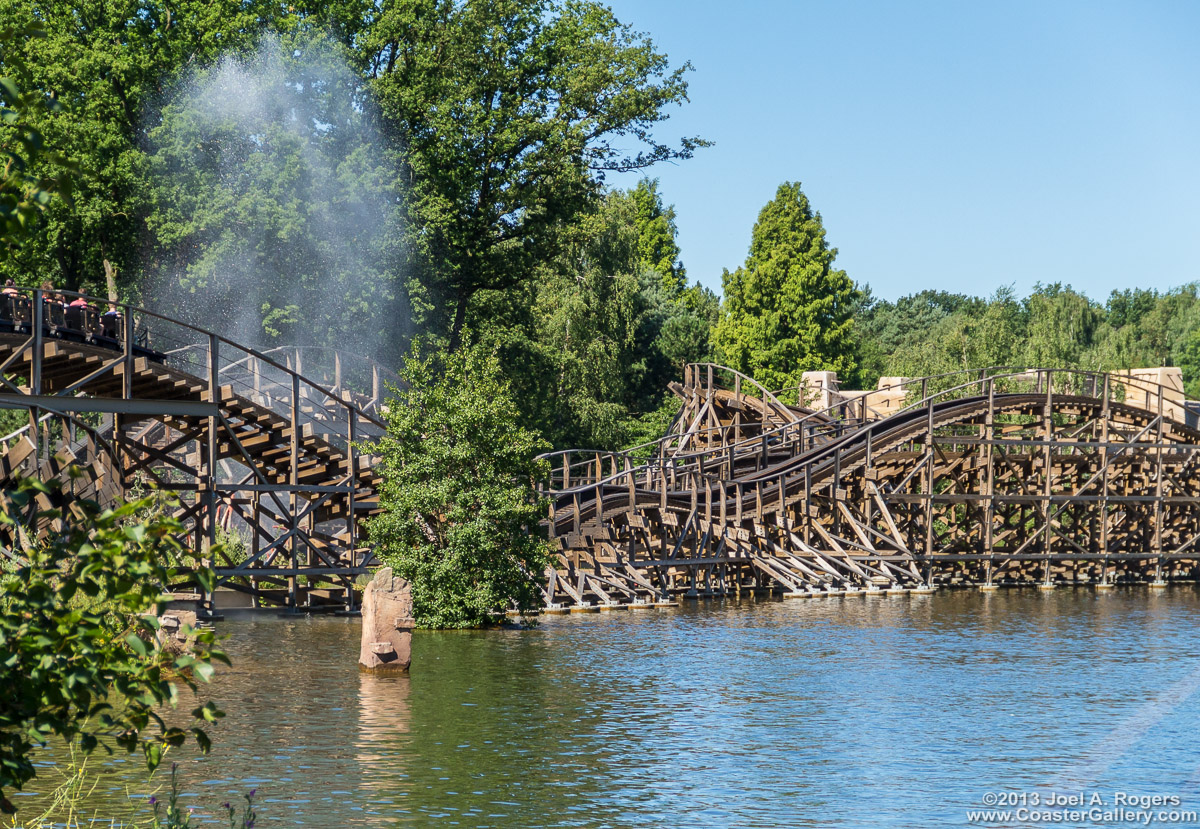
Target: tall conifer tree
{"points": [[788, 310], [657, 247]]}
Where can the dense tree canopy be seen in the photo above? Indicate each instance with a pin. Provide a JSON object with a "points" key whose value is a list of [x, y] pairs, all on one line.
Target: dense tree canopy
{"points": [[109, 64], [509, 114], [500, 121], [591, 344], [1054, 326], [275, 213]]}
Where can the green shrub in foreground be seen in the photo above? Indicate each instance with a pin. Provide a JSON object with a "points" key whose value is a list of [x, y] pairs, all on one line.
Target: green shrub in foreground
{"points": [[78, 658]]}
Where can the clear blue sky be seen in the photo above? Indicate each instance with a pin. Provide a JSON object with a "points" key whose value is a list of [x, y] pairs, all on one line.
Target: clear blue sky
{"points": [[956, 146]]}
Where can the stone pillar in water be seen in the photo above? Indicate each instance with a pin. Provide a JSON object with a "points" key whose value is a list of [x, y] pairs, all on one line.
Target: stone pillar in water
{"points": [[171, 636], [387, 624]]}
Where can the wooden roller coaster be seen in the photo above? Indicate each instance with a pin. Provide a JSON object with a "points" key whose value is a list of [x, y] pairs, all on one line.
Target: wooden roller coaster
{"points": [[990, 477], [998, 476], [262, 446]]}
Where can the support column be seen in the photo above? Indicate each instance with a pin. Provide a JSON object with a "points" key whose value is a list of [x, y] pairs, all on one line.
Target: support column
{"points": [[927, 478], [1047, 474], [293, 482], [1104, 482], [209, 517], [352, 484], [989, 434], [1158, 496]]}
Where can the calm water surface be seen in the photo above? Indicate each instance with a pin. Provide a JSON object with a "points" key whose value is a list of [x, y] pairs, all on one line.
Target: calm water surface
{"points": [[855, 712]]}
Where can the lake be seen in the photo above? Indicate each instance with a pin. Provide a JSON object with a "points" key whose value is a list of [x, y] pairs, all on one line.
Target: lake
{"points": [[850, 712]]}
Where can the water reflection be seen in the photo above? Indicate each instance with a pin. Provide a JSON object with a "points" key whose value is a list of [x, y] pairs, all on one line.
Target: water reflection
{"points": [[384, 722], [853, 712]]}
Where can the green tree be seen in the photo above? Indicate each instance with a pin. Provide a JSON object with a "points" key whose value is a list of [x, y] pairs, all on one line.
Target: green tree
{"points": [[996, 337], [685, 335], [77, 625], [891, 335], [591, 344], [501, 120], [1127, 307], [1174, 316], [1158, 331], [1139, 328], [1188, 359], [508, 115], [788, 310], [976, 334], [587, 320], [109, 64], [274, 209], [459, 508], [657, 247], [1061, 328], [31, 174]]}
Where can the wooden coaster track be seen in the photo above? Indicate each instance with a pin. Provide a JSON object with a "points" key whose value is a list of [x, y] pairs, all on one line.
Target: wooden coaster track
{"points": [[243, 440], [999, 476], [1002, 476]]}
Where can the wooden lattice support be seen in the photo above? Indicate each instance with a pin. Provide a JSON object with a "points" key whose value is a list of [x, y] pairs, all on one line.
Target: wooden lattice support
{"points": [[1036, 477], [242, 440]]}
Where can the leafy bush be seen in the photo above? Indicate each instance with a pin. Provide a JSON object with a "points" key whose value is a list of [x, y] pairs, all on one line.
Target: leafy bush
{"points": [[77, 633]]}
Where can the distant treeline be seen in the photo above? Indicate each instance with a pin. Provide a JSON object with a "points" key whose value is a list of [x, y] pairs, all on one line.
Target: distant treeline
{"points": [[933, 332]]}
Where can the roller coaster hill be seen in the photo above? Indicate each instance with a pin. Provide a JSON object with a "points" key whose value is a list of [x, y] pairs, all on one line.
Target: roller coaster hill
{"points": [[258, 444], [999, 476]]}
